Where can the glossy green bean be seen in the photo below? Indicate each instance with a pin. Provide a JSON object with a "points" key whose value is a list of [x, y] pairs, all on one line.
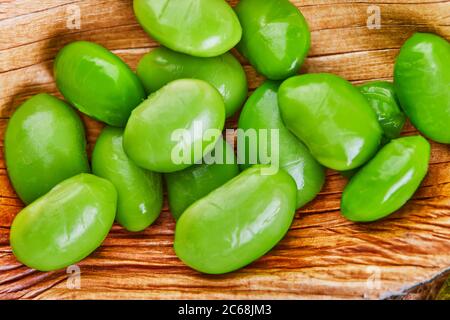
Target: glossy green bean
{"points": [[383, 100], [390, 179], [224, 72], [187, 186], [275, 37], [97, 82], [261, 112], [422, 82], [236, 223], [139, 191], [150, 135], [65, 225], [332, 118], [202, 28], [44, 144]]}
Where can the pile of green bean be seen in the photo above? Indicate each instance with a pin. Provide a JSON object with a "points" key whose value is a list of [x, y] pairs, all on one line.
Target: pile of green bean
{"points": [[228, 214]]}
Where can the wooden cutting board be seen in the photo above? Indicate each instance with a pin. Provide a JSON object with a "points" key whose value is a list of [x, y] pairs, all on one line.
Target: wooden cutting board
{"points": [[322, 256]]}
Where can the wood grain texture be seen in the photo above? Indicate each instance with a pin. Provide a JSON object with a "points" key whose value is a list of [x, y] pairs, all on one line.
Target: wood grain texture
{"points": [[323, 255]]}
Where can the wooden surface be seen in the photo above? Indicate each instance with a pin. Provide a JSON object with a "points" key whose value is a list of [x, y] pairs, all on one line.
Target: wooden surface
{"points": [[323, 255]]}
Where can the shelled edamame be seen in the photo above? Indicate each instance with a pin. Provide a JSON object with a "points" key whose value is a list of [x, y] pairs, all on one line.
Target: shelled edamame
{"points": [[201, 28], [44, 144], [140, 193], [186, 105], [65, 225], [387, 181], [231, 227], [226, 219], [383, 100], [187, 186], [422, 83], [225, 73], [97, 82], [332, 118], [261, 112], [275, 37]]}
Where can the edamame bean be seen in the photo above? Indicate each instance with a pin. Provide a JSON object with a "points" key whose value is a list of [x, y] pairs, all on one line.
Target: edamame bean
{"points": [[174, 123], [44, 145], [202, 28], [187, 186], [224, 72], [97, 82], [422, 83], [332, 118], [390, 179], [65, 225], [383, 100], [236, 223], [139, 191], [261, 112], [275, 37]]}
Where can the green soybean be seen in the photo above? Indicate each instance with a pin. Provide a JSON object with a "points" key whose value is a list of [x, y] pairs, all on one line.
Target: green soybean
{"points": [[44, 145], [390, 179], [187, 186], [332, 118], [97, 82], [224, 72], [422, 82], [65, 225], [139, 191], [383, 100], [202, 28], [153, 137], [275, 37], [236, 223], [261, 112]]}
